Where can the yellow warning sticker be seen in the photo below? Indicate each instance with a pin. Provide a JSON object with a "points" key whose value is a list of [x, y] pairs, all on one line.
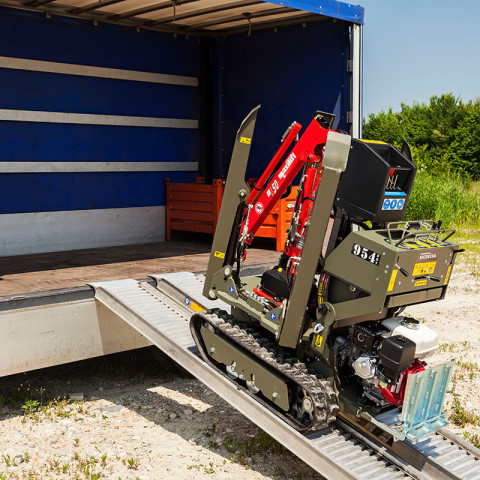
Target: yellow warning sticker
{"points": [[420, 283], [245, 140], [321, 292], [318, 341], [447, 276], [196, 307], [219, 254], [392, 281], [371, 141], [424, 268]]}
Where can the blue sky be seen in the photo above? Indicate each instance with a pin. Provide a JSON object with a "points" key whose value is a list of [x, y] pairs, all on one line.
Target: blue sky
{"points": [[414, 49]]}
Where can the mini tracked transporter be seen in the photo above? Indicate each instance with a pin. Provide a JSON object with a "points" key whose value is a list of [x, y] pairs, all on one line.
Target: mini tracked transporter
{"points": [[322, 333]]}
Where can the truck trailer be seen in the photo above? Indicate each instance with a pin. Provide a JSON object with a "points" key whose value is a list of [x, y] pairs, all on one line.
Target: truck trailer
{"points": [[100, 102]]}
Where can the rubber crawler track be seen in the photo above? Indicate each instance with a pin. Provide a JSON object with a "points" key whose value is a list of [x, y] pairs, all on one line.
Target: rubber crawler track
{"points": [[320, 390]]}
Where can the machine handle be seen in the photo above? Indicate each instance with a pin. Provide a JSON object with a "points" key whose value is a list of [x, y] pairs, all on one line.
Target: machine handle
{"points": [[407, 234], [402, 270], [430, 277]]}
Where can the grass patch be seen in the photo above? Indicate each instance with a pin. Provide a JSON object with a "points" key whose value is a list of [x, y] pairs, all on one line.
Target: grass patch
{"points": [[475, 187], [468, 261], [467, 365], [473, 438], [461, 416], [25, 396], [261, 444], [447, 197], [131, 463]]}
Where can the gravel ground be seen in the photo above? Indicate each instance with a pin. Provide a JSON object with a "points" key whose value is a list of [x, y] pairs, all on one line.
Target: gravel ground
{"points": [[135, 423], [141, 417]]}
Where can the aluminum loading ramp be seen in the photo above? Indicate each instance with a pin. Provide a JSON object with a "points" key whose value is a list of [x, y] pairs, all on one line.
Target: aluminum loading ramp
{"points": [[339, 452]]}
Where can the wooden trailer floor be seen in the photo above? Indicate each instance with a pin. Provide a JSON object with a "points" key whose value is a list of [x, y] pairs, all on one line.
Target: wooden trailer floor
{"points": [[51, 271]]}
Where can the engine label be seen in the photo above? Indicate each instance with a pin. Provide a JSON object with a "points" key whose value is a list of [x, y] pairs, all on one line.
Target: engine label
{"points": [[427, 255], [424, 268], [366, 254]]}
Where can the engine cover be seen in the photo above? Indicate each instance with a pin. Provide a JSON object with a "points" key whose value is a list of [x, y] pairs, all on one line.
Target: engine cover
{"points": [[425, 339]]}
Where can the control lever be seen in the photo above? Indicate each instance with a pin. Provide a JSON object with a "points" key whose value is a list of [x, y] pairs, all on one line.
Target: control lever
{"points": [[402, 270], [430, 277]]}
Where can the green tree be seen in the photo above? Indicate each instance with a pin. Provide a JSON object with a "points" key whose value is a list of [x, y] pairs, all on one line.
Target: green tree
{"points": [[433, 124], [465, 146], [384, 126], [416, 123], [444, 134]]}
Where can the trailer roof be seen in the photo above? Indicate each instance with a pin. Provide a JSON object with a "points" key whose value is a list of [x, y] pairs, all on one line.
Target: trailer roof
{"points": [[206, 17]]}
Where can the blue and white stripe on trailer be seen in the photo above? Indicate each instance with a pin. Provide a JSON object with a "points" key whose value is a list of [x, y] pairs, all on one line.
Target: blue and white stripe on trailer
{"points": [[92, 71], [86, 128], [44, 142], [59, 39], [38, 116], [48, 192], [40, 91], [88, 167]]}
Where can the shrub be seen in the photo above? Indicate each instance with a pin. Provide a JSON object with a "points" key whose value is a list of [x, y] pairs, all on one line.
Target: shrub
{"points": [[446, 197], [444, 134]]}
